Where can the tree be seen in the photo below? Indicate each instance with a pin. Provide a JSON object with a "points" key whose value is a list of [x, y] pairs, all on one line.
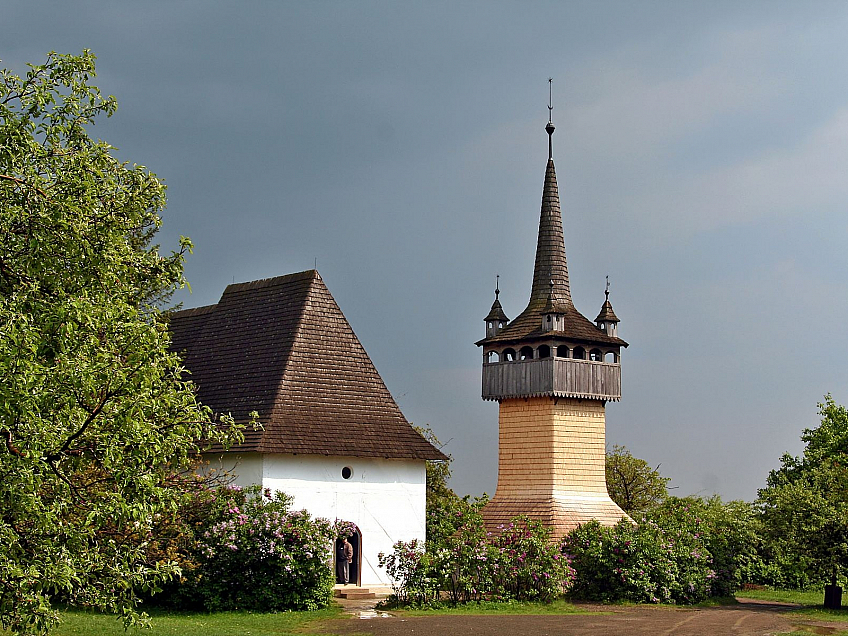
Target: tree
{"points": [[632, 483], [805, 502], [447, 512], [97, 422]]}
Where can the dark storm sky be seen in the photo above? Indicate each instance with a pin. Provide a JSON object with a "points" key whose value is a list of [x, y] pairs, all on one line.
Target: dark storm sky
{"points": [[701, 151]]}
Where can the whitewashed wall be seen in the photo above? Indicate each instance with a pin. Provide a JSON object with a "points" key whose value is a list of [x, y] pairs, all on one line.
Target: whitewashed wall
{"points": [[386, 498]]}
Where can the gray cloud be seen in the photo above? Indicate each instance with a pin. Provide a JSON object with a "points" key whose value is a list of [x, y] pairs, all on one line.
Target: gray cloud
{"points": [[700, 150]]}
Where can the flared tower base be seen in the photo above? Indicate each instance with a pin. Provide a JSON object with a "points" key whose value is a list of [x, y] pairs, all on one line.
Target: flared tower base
{"points": [[551, 465]]}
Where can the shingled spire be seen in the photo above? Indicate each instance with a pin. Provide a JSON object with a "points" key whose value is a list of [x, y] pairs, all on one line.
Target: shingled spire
{"points": [[551, 266]]}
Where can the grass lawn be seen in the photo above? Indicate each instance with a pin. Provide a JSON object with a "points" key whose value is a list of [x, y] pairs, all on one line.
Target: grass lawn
{"points": [[811, 602], [80, 623]]}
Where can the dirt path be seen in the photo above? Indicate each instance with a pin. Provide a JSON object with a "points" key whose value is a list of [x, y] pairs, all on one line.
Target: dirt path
{"points": [[748, 618]]}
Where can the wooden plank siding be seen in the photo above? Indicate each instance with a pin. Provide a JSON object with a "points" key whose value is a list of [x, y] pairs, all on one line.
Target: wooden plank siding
{"points": [[557, 377]]}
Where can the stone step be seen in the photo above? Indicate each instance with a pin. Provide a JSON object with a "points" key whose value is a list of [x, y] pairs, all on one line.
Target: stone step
{"points": [[353, 596], [353, 592]]}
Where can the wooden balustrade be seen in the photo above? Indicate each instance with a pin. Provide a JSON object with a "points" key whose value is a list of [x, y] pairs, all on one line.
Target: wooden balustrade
{"points": [[559, 377]]}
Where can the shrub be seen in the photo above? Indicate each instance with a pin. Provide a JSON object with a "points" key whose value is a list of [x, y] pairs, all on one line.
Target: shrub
{"points": [[408, 567], [731, 534], [462, 564], [518, 563], [256, 554], [664, 559], [527, 565]]}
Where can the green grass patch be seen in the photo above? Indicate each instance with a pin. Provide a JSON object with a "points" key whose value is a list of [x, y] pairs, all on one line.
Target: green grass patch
{"points": [[822, 614], [801, 597], [83, 623], [716, 601], [494, 608], [811, 602], [813, 630]]}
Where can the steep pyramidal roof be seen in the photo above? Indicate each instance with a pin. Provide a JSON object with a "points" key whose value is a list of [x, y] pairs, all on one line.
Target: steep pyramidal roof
{"points": [[551, 290], [496, 312], [607, 314], [283, 348]]}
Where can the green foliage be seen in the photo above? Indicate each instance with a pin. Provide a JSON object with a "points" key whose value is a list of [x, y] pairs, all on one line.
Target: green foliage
{"points": [[527, 564], [632, 483], [805, 507], [444, 506], [518, 563], [462, 560], [408, 566], [663, 559], [731, 532], [254, 553], [97, 424]]}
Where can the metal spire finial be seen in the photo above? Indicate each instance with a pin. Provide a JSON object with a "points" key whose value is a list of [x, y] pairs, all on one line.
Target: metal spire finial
{"points": [[606, 291], [550, 98], [550, 127], [497, 285]]}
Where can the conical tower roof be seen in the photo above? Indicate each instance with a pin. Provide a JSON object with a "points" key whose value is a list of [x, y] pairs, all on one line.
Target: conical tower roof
{"points": [[496, 312], [551, 290], [607, 314], [550, 273]]}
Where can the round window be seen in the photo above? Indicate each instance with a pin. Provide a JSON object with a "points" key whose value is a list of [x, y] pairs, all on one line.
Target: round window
{"points": [[347, 472]]}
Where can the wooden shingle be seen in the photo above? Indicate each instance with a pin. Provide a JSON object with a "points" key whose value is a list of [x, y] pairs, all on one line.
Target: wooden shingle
{"points": [[282, 347]]}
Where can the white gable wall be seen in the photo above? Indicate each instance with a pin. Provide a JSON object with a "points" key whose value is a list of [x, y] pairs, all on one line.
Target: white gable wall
{"points": [[385, 498]]}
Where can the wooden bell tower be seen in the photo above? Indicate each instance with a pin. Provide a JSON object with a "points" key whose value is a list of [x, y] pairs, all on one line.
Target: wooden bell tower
{"points": [[552, 372]]}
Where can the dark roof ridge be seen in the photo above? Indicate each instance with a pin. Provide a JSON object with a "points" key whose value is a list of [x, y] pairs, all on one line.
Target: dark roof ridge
{"points": [[193, 311], [270, 282]]}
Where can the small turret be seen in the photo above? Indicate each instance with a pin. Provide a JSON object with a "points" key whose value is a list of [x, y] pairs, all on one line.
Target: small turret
{"points": [[607, 321], [496, 320]]}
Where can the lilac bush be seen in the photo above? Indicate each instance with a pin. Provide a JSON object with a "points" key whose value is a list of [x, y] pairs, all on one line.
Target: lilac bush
{"points": [[519, 562], [408, 567], [257, 554], [663, 559], [527, 565], [344, 529], [461, 564]]}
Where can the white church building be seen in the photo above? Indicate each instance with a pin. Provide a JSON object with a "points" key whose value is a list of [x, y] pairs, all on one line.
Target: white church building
{"points": [[332, 436]]}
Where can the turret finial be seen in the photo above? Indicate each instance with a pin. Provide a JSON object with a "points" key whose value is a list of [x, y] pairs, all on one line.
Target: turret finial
{"points": [[550, 127], [497, 285], [606, 291]]}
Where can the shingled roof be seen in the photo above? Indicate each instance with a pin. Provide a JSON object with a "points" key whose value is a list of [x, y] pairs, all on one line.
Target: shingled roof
{"points": [[282, 347], [551, 291]]}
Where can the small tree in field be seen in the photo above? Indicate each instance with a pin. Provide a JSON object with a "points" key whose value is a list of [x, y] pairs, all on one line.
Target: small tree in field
{"points": [[632, 483], [805, 503], [97, 423]]}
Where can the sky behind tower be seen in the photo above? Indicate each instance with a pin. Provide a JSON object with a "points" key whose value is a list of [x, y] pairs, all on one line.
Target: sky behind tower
{"points": [[701, 153]]}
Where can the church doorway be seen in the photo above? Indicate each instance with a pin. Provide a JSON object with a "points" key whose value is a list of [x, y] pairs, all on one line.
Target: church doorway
{"points": [[355, 566]]}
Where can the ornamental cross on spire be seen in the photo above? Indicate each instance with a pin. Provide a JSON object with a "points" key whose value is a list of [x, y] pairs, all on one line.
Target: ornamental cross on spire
{"points": [[550, 98], [550, 127]]}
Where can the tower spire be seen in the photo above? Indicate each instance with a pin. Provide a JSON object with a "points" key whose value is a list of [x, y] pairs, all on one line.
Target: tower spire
{"points": [[550, 274]]}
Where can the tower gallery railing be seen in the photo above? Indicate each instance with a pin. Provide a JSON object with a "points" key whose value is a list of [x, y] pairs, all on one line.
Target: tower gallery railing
{"points": [[559, 377]]}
